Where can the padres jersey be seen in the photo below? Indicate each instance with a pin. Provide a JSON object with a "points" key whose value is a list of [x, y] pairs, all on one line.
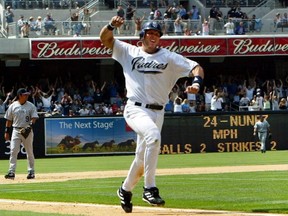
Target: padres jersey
{"points": [[156, 73], [21, 115]]}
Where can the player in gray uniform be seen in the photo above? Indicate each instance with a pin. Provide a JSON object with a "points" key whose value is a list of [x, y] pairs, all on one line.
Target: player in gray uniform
{"points": [[262, 129], [20, 114], [150, 74]]}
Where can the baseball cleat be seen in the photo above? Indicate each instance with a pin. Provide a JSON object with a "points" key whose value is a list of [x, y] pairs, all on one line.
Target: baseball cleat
{"points": [[125, 197], [31, 176], [10, 175], [152, 197]]}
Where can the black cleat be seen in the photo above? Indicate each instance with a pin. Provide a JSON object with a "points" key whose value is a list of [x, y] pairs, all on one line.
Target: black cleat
{"points": [[152, 197], [10, 175], [31, 176], [125, 197]]}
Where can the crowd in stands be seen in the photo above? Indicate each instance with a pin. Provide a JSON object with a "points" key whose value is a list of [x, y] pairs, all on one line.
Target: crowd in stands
{"points": [[175, 20], [88, 97]]}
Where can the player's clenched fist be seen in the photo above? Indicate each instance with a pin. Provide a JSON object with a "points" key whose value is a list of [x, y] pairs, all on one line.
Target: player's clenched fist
{"points": [[193, 89], [117, 21]]}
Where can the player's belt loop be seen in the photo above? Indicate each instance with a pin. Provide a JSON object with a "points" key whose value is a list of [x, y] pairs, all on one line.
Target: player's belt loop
{"points": [[149, 106]]}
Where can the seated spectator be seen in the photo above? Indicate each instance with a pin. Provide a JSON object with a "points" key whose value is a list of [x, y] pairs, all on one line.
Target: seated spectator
{"points": [[32, 24], [49, 25], [240, 29]]}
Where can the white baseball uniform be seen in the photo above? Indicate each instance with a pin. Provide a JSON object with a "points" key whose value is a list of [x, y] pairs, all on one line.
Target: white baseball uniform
{"points": [[21, 115], [149, 79]]}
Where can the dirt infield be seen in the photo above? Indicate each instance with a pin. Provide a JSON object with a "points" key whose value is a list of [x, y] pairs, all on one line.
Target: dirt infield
{"points": [[107, 210]]}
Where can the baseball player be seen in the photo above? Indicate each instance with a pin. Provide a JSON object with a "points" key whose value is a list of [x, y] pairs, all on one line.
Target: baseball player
{"points": [[262, 129], [150, 74], [20, 116]]}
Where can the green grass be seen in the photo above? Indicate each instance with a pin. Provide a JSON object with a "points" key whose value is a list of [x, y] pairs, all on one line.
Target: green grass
{"points": [[264, 191]]}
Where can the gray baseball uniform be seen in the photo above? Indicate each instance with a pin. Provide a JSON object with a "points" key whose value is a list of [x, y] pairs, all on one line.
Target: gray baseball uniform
{"points": [[262, 129], [21, 116]]}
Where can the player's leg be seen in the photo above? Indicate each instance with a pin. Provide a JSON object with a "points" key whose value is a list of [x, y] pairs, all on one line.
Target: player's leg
{"points": [[28, 144], [14, 150]]}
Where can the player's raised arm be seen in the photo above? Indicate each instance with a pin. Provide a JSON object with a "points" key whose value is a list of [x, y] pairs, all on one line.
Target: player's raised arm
{"points": [[106, 34]]}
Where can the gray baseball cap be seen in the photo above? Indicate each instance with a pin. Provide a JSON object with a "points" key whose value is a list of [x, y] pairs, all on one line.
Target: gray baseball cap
{"points": [[23, 91]]}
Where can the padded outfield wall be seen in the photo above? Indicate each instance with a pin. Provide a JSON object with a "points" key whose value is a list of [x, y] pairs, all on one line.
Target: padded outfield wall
{"points": [[181, 134]]}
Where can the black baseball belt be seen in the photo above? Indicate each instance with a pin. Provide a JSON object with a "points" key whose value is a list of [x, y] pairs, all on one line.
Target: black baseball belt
{"points": [[149, 106]]}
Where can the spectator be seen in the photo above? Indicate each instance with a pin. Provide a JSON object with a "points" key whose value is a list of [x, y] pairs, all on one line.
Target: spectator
{"points": [[208, 94], [20, 24], [66, 103], [138, 24], [86, 21], [25, 29], [185, 106], [49, 25], [229, 26], [205, 28], [83, 111], [240, 29], [178, 26], [283, 104], [277, 21], [217, 100], [213, 18], [178, 105], [32, 24], [76, 26], [9, 15], [157, 14], [39, 25], [120, 13], [129, 15]]}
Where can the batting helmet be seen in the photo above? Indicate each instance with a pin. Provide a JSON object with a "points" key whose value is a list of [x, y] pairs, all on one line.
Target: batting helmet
{"points": [[151, 25]]}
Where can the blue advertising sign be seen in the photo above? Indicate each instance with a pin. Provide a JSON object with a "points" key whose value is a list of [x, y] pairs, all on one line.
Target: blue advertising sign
{"points": [[91, 135]]}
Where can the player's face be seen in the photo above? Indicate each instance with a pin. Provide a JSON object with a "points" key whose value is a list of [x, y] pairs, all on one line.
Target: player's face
{"points": [[151, 41]]}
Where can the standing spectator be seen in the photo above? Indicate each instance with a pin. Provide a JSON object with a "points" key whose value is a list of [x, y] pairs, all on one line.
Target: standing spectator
{"points": [[205, 28], [20, 114], [20, 24], [46, 98], [178, 28], [39, 25], [138, 24], [157, 14], [25, 29], [277, 21], [129, 15], [213, 19], [283, 104], [208, 94], [177, 105], [86, 21], [76, 26], [66, 103], [217, 101], [9, 15], [229, 26], [120, 13], [262, 130]]}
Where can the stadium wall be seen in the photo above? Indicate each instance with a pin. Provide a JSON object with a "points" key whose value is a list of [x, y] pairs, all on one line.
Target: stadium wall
{"points": [[181, 134]]}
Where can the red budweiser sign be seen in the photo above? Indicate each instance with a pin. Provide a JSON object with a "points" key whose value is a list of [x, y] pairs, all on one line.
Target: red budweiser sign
{"points": [[77, 48]]}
